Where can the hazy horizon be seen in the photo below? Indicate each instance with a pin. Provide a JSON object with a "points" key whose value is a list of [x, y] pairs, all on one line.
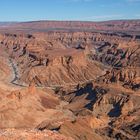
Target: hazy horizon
{"points": [[45, 20]]}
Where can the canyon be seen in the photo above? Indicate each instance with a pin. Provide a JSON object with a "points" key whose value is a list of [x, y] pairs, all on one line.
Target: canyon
{"points": [[70, 80]]}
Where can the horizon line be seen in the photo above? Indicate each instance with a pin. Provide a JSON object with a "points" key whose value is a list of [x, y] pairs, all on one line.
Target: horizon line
{"points": [[53, 20]]}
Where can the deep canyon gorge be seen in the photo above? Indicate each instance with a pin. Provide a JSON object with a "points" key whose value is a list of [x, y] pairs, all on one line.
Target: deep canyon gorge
{"points": [[70, 80]]}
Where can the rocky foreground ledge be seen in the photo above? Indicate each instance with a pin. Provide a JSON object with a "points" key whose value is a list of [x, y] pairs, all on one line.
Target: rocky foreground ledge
{"points": [[31, 134]]}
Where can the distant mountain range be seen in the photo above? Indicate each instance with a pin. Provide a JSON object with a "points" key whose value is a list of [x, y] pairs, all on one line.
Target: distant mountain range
{"points": [[3, 24]]}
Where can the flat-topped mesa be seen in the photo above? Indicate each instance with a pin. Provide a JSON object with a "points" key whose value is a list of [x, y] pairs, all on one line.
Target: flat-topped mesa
{"points": [[63, 70], [46, 26]]}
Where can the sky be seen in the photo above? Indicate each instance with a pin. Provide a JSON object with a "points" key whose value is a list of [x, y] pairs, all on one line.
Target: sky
{"points": [[85, 10]]}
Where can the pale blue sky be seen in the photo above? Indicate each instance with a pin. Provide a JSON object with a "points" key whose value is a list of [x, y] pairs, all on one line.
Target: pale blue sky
{"points": [[90, 10]]}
